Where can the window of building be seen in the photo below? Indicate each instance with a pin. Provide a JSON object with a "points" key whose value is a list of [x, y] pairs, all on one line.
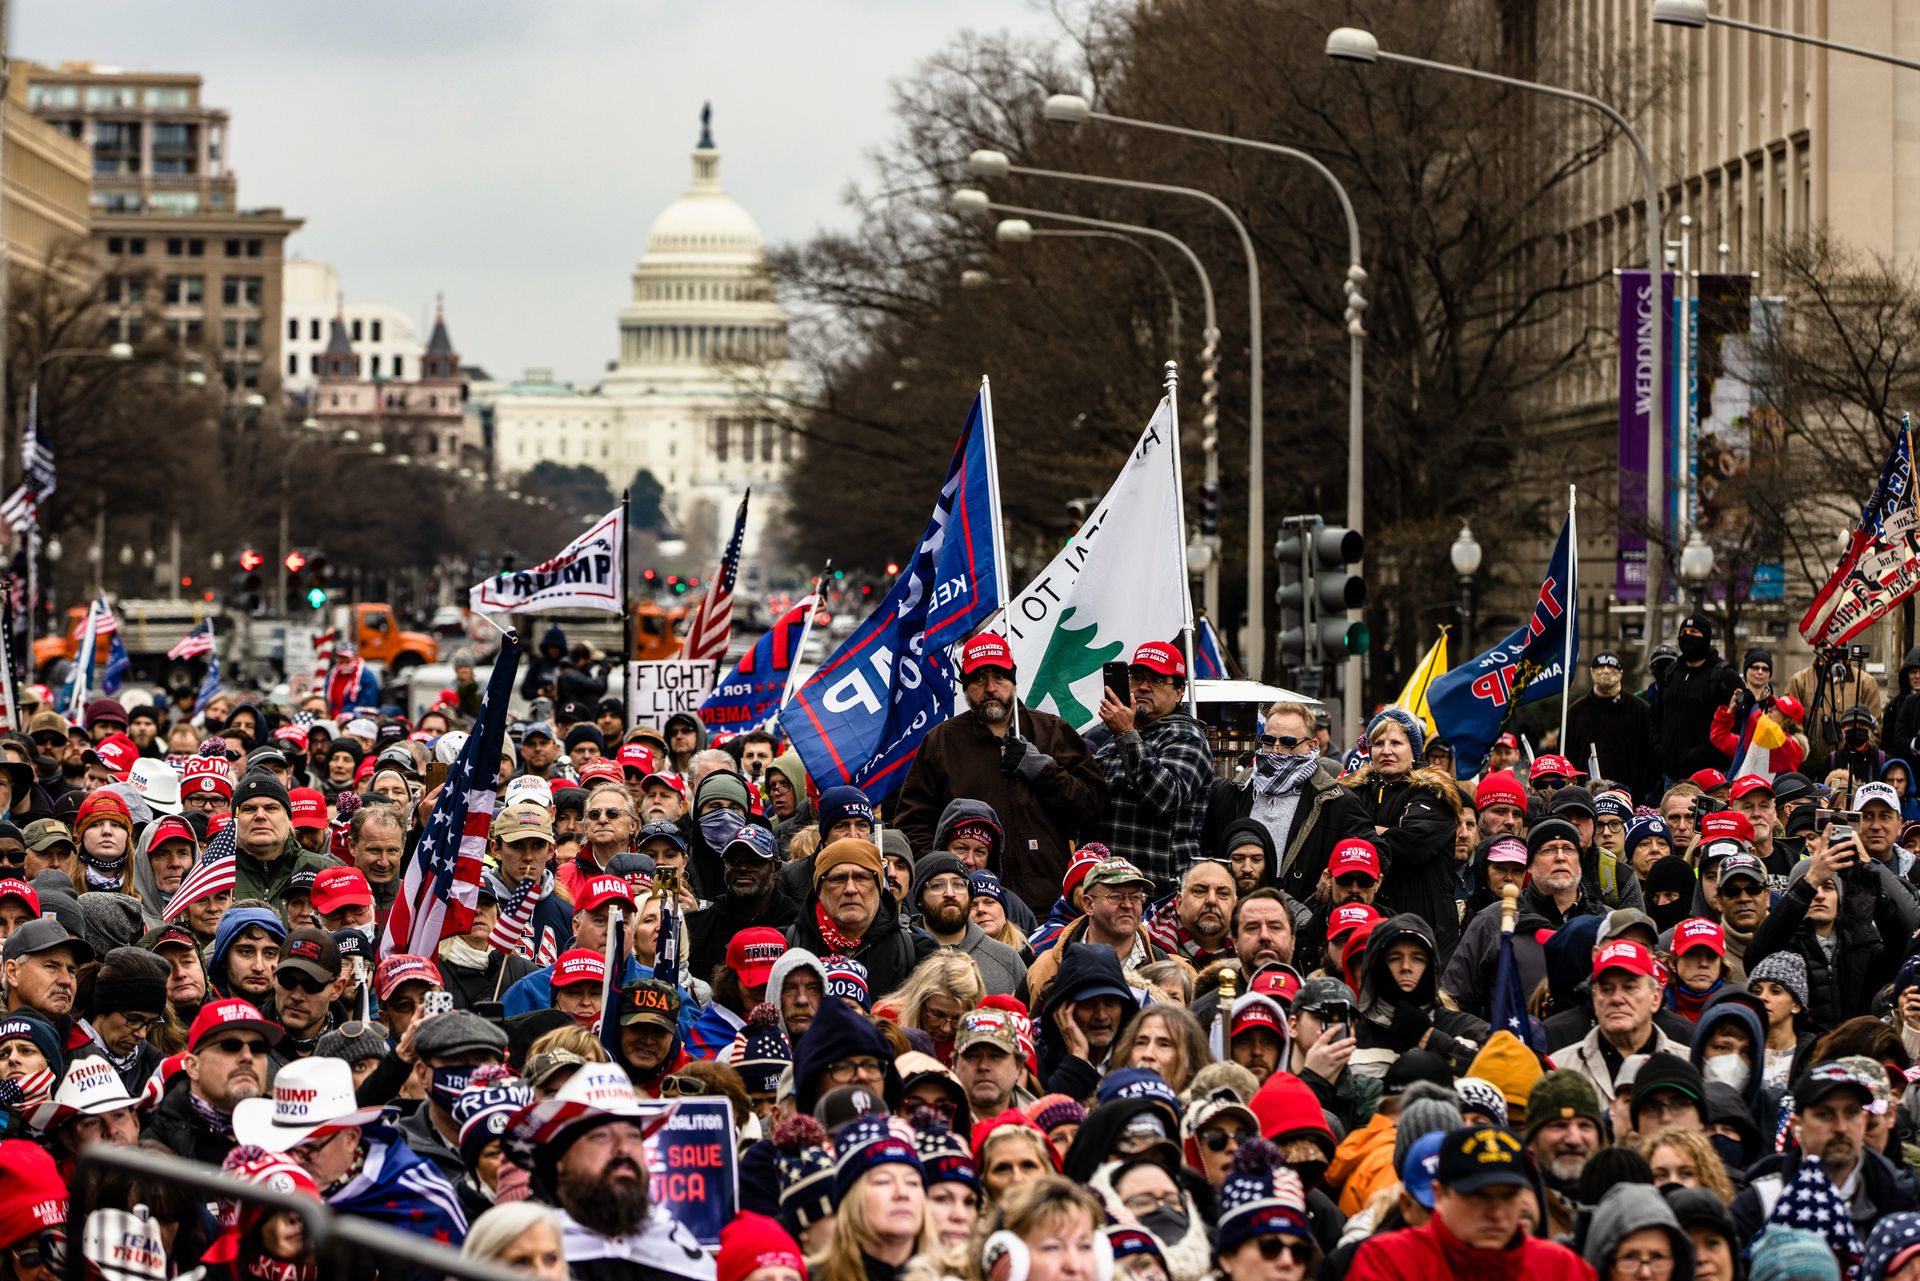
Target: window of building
{"points": [[720, 439], [186, 289], [233, 247], [373, 367], [356, 331], [230, 333], [53, 95], [175, 97], [176, 202], [786, 443], [172, 136], [250, 374], [251, 330], [216, 199], [133, 327], [376, 329], [746, 440], [293, 364], [313, 330], [254, 248], [237, 290], [172, 164], [398, 362], [116, 245], [196, 247], [175, 246], [293, 332], [766, 444], [113, 288], [137, 247], [116, 135]]}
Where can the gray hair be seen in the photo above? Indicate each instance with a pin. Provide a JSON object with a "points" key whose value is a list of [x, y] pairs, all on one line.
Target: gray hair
{"points": [[491, 1233], [711, 758]]}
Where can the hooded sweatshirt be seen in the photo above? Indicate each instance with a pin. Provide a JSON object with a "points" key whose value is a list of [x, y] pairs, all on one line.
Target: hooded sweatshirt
{"points": [[962, 810], [1625, 1210], [232, 922], [1086, 970], [790, 768], [153, 904], [682, 762], [1392, 1022]]}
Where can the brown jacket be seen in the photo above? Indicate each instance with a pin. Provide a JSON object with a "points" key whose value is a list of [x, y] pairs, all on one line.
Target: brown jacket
{"points": [[1040, 973], [961, 758]]}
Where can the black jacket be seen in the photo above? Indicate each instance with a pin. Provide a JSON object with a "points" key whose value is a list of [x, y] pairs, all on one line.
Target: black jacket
{"points": [[1885, 1187], [1619, 729], [1862, 957], [177, 1125], [469, 987], [1419, 812], [1391, 1022], [713, 927], [1683, 706], [890, 949], [1900, 723], [1327, 814], [1469, 974], [1085, 969]]}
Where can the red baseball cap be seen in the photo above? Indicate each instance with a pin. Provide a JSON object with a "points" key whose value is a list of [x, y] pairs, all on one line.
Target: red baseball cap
{"points": [[578, 965], [170, 828], [1348, 917], [988, 649], [309, 809], [338, 887], [751, 954], [1507, 740], [230, 1012], [1500, 788], [602, 768], [1550, 767], [1624, 954], [1160, 658], [1725, 825], [1698, 931], [636, 756], [218, 823], [665, 778], [1708, 779], [1277, 981], [1085, 859], [12, 887], [602, 890], [403, 967], [1747, 784], [1354, 855], [1791, 707], [117, 752], [1255, 1010]]}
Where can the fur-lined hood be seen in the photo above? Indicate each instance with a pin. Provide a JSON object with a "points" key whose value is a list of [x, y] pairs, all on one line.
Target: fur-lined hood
{"points": [[1188, 1259], [1425, 777]]}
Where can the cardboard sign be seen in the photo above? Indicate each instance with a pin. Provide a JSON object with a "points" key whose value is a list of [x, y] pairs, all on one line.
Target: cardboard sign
{"points": [[692, 1169], [666, 687]]}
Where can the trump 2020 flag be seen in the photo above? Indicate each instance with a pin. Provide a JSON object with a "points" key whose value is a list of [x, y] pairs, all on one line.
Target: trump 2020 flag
{"points": [[860, 719], [1472, 703], [441, 886], [750, 694], [1880, 567], [1121, 581], [584, 575]]}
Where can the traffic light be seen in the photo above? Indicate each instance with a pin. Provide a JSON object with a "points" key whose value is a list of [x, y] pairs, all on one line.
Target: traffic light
{"points": [[1291, 553], [250, 559], [316, 596], [1337, 591], [295, 562], [1210, 507]]}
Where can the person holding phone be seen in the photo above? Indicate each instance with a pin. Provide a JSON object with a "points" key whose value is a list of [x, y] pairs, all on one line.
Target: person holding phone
{"points": [[1158, 767], [1323, 1045]]}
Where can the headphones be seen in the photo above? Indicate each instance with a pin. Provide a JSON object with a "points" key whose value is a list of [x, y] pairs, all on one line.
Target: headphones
{"points": [[1005, 1257]]}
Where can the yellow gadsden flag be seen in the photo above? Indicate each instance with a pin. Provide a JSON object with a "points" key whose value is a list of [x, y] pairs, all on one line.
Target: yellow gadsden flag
{"points": [[1433, 665]]}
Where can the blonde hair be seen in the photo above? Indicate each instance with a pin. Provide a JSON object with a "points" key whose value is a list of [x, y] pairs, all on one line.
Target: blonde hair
{"points": [[1694, 1146], [1188, 1038], [571, 1037], [1032, 1207], [844, 1258], [803, 844], [948, 972]]}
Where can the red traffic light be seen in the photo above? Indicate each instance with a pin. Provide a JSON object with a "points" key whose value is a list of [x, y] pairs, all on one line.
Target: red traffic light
{"points": [[893, 567], [295, 562], [251, 560]]}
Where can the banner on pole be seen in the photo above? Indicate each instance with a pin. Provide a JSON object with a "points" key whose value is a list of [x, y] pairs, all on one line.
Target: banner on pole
{"points": [[665, 687], [749, 695], [1881, 566], [691, 1167], [1636, 417], [585, 575]]}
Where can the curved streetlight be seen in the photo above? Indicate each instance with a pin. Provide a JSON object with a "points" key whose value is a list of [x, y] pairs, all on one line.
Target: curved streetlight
{"points": [[994, 164], [1071, 108], [1351, 44], [1695, 14], [974, 278], [1465, 555]]}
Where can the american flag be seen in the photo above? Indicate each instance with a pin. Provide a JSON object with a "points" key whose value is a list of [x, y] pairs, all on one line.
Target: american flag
{"points": [[21, 510], [441, 885], [712, 625], [195, 643], [516, 919], [213, 874], [80, 682], [36, 456]]}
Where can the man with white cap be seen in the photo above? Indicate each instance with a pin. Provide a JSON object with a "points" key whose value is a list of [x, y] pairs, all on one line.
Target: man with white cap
{"points": [[361, 1166], [585, 1148]]}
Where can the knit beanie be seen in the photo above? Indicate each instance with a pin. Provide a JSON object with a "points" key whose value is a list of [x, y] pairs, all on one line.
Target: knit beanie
{"points": [[1483, 1097], [838, 803], [1561, 1095], [260, 784], [1409, 725], [1644, 826], [944, 1157], [848, 851], [1788, 969], [1791, 1254], [1261, 1197], [101, 807], [1050, 1111], [760, 1052], [370, 1044], [1425, 1108], [1510, 1067], [1671, 874], [866, 1143], [722, 785], [805, 1166], [24, 1025], [481, 1111], [752, 1241]]}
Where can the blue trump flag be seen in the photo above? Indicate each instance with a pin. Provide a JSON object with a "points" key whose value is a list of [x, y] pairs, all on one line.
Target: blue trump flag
{"points": [[860, 719], [1473, 703], [748, 696]]}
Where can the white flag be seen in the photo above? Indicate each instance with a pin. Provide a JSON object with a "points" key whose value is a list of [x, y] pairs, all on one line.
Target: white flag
{"points": [[1119, 583], [585, 575]]}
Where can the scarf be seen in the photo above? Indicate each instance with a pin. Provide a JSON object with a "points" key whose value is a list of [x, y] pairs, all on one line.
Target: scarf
{"points": [[458, 952], [101, 875], [1274, 775], [343, 683], [1686, 1002], [122, 1063], [830, 934], [212, 1117]]}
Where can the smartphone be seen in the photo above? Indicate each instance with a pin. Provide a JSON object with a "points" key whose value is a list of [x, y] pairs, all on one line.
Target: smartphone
{"points": [[1823, 819], [436, 1003], [1114, 676], [1839, 834]]}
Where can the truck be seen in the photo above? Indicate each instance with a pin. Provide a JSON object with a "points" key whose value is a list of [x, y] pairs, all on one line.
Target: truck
{"points": [[148, 629]]}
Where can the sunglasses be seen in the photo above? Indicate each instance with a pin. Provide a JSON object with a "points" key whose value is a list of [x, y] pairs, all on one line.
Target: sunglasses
{"points": [[1219, 1140], [298, 979], [1271, 1248], [235, 1044], [600, 814], [49, 1250], [1286, 742], [682, 1087]]}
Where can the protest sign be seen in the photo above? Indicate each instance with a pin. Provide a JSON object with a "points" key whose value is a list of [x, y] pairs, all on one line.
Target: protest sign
{"points": [[666, 687], [691, 1169]]}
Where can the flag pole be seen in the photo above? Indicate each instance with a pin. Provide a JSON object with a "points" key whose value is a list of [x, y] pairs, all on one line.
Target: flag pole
{"points": [[999, 531], [610, 984], [1180, 533], [800, 650], [626, 615], [1573, 616]]}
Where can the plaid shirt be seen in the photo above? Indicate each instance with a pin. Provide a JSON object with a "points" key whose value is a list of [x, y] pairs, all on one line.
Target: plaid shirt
{"points": [[1157, 784]]}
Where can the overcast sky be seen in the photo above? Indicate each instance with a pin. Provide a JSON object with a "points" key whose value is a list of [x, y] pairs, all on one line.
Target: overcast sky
{"points": [[512, 153]]}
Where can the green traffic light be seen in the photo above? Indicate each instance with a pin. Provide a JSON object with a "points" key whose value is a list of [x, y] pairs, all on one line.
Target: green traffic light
{"points": [[1359, 639], [316, 597]]}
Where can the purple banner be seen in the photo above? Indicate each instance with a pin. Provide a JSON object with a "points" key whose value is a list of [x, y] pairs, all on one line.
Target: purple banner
{"points": [[1636, 415]]}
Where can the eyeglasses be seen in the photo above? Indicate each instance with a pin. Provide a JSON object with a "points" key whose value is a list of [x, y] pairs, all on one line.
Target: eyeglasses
{"points": [[842, 1071], [841, 880], [49, 1250], [1142, 1203], [948, 885], [1271, 1248], [239, 1045], [596, 815], [1147, 680], [1653, 1264], [298, 979], [1219, 1140], [934, 1018], [682, 1087], [138, 1023], [401, 1004], [1124, 898]]}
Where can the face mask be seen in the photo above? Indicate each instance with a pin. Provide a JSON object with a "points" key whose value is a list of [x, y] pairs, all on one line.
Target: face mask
{"points": [[1856, 738], [720, 827], [1730, 1150], [448, 1083], [1310, 1172], [1169, 1225], [1730, 1069], [1266, 765], [1695, 647]]}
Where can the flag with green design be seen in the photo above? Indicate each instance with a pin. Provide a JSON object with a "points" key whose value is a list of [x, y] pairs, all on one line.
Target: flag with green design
{"points": [[1117, 584]]}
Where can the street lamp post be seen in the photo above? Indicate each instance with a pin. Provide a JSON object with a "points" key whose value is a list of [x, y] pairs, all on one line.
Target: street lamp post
{"points": [[1070, 108], [1694, 14], [1465, 554], [1696, 566], [1018, 231], [1351, 44], [994, 164]]}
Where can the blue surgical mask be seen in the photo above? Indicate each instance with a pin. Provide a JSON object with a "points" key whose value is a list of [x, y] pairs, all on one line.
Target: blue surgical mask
{"points": [[720, 827]]}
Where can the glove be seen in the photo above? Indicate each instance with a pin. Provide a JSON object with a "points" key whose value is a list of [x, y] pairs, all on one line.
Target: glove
{"points": [[1410, 1023], [1019, 757]]}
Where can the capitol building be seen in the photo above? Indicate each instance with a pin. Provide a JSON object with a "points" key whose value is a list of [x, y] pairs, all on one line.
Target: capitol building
{"points": [[701, 343]]}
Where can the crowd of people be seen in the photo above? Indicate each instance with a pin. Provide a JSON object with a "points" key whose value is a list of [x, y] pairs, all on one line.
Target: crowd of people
{"points": [[1061, 1007]]}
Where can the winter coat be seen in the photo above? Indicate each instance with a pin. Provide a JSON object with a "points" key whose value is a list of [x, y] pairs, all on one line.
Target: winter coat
{"points": [[1432, 1253], [1901, 724], [788, 763], [543, 665], [1420, 813], [1861, 686], [1683, 708], [1783, 759], [1885, 1188], [1084, 968], [1469, 975], [710, 929], [1619, 729], [176, 1124], [1158, 778], [253, 878], [1001, 968], [153, 904], [1590, 1060], [1628, 1208], [1910, 798], [661, 1251], [1363, 1163], [1041, 816], [962, 809], [421, 1136], [1842, 988], [1040, 976], [1391, 1022], [890, 948], [1327, 814], [469, 987]]}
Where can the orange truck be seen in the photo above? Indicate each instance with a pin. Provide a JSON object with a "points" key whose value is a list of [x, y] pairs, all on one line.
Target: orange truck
{"points": [[378, 635]]}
